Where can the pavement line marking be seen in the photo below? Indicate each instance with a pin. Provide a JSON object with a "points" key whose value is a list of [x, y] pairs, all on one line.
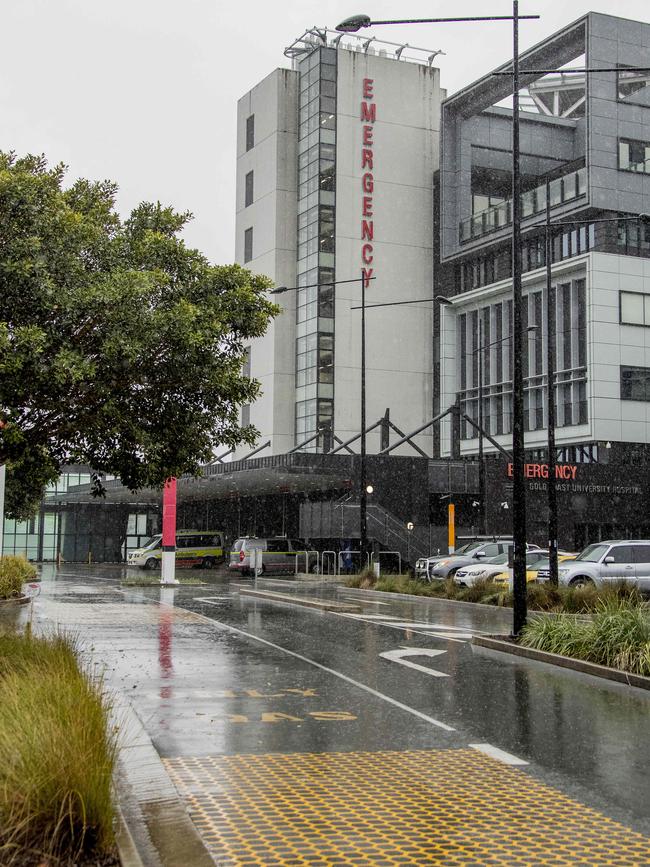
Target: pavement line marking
{"points": [[499, 755], [332, 671], [401, 654], [411, 626]]}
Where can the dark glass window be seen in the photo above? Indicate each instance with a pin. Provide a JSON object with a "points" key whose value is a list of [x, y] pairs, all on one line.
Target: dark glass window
{"points": [[634, 156], [248, 244], [250, 132], [622, 554], [635, 383], [248, 194]]}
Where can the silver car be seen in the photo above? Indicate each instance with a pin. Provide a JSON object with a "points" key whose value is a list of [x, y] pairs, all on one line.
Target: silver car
{"points": [[467, 555], [279, 554], [609, 562]]}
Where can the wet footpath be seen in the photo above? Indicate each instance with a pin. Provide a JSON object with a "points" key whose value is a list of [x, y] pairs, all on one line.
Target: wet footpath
{"points": [[261, 732]]}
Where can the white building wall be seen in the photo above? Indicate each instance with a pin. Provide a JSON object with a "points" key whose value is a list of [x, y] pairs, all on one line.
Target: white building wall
{"points": [[405, 151], [609, 346], [273, 219]]}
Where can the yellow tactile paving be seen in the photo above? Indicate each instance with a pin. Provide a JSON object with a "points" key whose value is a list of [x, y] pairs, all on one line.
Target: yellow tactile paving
{"points": [[448, 807]]}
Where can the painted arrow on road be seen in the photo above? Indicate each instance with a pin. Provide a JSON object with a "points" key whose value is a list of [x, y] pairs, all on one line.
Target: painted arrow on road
{"points": [[401, 656]]}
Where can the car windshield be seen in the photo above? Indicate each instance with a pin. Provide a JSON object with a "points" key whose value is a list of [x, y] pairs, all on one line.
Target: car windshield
{"points": [[593, 553], [467, 547], [154, 542]]}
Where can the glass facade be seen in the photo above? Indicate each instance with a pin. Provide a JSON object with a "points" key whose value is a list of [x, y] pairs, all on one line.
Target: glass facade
{"points": [[77, 532], [495, 344], [316, 253]]}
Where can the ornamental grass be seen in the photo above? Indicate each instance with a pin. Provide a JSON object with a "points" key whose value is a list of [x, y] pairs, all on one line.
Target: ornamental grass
{"points": [[14, 572], [617, 635], [57, 754]]}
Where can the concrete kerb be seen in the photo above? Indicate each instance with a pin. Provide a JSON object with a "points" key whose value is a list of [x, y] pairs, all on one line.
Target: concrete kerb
{"points": [[154, 828], [502, 644], [411, 597]]}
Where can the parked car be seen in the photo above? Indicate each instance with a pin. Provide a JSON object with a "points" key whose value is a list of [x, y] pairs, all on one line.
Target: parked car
{"points": [[493, 569], [534, 560], [542, 568], [468, 555], [278, 555], [204, 548], [608, 562]]}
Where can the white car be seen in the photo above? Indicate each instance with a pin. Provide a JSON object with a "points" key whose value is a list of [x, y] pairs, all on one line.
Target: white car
{"points": [[469, 575]]}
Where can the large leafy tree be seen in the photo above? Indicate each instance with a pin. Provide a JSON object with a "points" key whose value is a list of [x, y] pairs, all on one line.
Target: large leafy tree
{"points": [[120, 347]]}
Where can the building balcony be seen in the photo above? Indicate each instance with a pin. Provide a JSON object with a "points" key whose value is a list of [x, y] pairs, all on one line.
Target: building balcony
{"points": [[533, 202]]}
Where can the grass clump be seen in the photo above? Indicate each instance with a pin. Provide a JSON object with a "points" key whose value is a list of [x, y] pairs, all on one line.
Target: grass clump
{"points": [[14, 572], [56, 754], [618, 635]]}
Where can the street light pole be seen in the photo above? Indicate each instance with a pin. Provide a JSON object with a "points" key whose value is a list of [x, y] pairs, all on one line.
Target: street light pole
{"points": [[550, 400], [519, 488], [352, 25], [481, 464], [363, 494]]}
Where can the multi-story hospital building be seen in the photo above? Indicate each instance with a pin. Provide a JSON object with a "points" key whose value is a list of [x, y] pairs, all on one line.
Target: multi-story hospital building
{"points": [[356, 170]]}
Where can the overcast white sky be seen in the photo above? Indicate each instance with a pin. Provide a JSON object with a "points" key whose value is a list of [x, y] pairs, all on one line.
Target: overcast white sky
{"points": [[144, 92]]}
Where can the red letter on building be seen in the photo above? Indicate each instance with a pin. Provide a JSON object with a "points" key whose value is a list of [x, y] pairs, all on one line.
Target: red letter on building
{"points": [[367, 206], [367, 88], [366, 158], [367, 274], [369, 112], [367, 182], [367, 230], [366, 254], [367, 135]]}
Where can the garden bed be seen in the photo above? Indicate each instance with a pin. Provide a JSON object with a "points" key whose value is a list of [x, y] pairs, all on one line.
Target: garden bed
{"points": [[540, 597], [57, 753]]}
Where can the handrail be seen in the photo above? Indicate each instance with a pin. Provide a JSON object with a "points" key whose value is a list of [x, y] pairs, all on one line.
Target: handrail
{"points": [[335, 561], [307, 555], [383, 553]]}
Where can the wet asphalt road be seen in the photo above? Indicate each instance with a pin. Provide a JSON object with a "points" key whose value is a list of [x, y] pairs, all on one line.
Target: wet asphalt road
{"points": [[279, 678]]}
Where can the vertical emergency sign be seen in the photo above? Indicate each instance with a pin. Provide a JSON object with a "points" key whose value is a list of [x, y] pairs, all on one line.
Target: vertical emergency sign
{"points": [[168, 563]]}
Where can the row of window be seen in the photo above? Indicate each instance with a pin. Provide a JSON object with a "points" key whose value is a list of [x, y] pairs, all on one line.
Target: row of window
{"points": [[316, 249], [497, 265], [485, 360]]}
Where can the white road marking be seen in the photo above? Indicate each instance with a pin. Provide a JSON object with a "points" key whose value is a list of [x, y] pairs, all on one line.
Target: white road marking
{"points": [[401, 654], [378, 620], [499, 755], [340, 675]]}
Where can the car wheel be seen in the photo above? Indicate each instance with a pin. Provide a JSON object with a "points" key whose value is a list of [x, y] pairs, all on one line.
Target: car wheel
{"points": [[209, 563], [581, 581], [152, 563]]}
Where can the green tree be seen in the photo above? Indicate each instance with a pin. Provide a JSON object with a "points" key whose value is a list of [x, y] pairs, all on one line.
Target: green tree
{"points": [[120, 347]]}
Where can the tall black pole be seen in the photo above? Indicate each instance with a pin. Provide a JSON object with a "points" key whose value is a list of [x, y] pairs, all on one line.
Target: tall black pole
{"points": [[481, 465], [363, 495], [519, 487], [550, 399]]}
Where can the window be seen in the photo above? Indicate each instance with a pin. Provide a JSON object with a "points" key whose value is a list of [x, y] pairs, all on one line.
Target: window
{"points": [[248, 194], [635, 308], [250, 132], [248, 244], [635, 383], [622, 554], [641, 553], [631, 82], [634, 156]]}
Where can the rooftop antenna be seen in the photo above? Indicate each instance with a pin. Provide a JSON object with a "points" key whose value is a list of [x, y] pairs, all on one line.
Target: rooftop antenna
{"points": [[398, 51], [366, 44], [433, 56]]}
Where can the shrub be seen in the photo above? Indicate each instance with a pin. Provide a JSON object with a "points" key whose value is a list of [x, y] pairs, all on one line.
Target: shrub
{"points": [[14, 572], [56, 754], [618, 635], [477, 592]]}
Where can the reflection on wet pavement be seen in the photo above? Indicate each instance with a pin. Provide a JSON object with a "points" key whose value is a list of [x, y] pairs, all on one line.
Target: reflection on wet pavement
{"points": [[214, 675]]}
